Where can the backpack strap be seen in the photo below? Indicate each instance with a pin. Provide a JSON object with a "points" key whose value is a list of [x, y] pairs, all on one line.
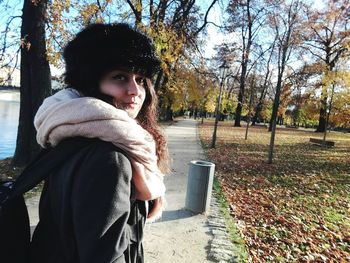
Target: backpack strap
{"points": [[50, 158]]}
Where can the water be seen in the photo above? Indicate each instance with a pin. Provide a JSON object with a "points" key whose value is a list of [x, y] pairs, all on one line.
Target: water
{"points": [[9, 112]]}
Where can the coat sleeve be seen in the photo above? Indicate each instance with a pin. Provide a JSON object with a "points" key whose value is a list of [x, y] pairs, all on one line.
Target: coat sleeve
{"points": [[101, 207]]}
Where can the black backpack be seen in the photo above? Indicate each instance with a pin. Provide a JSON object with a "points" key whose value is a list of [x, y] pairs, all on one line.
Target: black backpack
{"points": [[14, 219]]}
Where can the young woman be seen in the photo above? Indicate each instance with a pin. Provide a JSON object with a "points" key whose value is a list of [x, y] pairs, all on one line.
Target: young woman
{"points": [[94, 206]]}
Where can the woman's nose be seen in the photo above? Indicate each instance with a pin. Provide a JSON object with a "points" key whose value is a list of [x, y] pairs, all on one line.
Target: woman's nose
{"points": [[133, 87]]}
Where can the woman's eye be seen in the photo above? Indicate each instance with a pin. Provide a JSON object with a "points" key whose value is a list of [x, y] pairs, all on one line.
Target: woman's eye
{"points": [[119, 77], [141, 81]]}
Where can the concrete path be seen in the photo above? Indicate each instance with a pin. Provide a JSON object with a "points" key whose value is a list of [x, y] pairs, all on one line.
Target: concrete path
{"points": [[179, 236]]}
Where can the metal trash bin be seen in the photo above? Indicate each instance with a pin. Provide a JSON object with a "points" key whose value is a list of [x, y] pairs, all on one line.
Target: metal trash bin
{"points": [[199, 186]]}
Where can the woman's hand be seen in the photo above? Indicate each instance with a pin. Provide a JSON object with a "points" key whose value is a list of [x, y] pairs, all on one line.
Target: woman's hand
{"points": [[156, 209]]}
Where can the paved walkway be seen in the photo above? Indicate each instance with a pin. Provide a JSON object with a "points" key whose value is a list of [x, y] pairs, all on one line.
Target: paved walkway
{"points": [[180, 236]]}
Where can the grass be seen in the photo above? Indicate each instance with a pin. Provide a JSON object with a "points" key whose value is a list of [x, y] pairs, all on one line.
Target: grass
{"points": [[295, 209], [234, 234]]}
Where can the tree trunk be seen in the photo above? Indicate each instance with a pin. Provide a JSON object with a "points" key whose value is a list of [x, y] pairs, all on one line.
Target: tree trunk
{"points": [[169, 114], [35, 78], [258, 108], [276, 102], [239, 110], [164, 103], [241, 95], [273, 120], [245, 60], [158, 81], [322, 119]]}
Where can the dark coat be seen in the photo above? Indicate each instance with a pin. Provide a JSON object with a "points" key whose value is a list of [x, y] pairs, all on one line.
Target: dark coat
{"points": [[86, 213]]}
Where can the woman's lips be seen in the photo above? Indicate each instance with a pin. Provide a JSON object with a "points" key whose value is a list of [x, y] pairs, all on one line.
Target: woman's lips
{"points": [[131, 105]]}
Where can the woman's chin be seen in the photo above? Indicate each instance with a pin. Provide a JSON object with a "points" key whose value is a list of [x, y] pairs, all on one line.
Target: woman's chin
{"points": [[131, 113]]}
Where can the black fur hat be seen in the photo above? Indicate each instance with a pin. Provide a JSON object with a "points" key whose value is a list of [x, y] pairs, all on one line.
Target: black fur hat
{"points": [[103, 47]]}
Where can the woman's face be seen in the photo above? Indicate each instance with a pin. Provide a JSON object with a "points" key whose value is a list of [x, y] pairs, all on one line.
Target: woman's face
{"points": [[127, 89]]}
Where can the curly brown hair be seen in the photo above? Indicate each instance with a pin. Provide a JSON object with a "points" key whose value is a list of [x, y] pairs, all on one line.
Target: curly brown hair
{"points": [[147, 118]]}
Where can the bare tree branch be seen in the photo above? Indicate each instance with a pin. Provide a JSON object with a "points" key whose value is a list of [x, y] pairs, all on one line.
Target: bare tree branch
{"points": [[3, 50], [205, 18], [99, 5]]}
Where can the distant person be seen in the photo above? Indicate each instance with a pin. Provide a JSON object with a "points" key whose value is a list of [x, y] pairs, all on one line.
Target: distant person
{"points": [[93, 207]]}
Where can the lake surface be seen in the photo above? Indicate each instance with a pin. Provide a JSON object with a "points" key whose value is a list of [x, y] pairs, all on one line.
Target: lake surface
{"points": [[9, 113]]}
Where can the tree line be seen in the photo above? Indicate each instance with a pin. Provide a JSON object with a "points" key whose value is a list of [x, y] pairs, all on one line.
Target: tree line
{"points": [[291, 61], [297, 55]]}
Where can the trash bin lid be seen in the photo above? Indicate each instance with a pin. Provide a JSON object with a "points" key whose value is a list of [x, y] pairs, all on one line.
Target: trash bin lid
{"points": [[202, 163]]}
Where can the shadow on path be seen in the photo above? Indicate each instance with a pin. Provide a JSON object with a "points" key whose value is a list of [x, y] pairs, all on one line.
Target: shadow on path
{"points": [[176, 214]]}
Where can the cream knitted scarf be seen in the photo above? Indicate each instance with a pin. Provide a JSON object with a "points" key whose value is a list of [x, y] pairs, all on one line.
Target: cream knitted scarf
{"points": [[67, 114]]}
